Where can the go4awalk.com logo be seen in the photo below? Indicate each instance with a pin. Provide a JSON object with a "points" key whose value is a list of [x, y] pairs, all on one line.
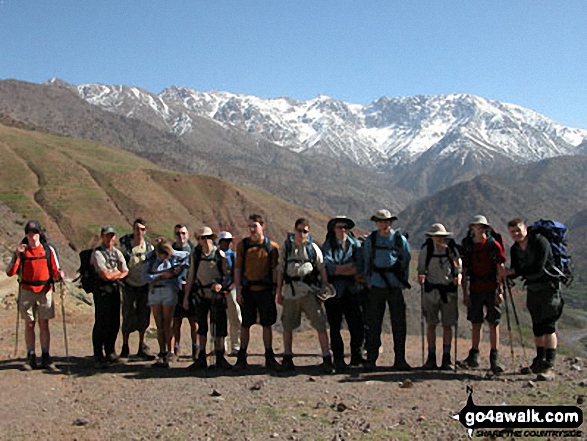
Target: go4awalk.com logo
{"points": [[519, 421]]}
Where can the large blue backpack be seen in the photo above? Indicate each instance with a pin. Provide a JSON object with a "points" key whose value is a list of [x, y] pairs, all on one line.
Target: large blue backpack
{"points": [[556, 234]]}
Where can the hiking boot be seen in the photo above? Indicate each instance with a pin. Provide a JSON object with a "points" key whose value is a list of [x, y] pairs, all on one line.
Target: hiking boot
{"points": [[200, 363], [538, 365], [340, 366], [124, 352], [430, 364], [369, 365], [112, 358], [241, 361], [47, 363], [495, 367], [162, 361], [547, 374], [357, 360], [287, 364], [145, 353], [100, 362], [271, 363], [446, 364], [402, 365], [30, 363], [472, 360], [327, 367], [221, 362]]}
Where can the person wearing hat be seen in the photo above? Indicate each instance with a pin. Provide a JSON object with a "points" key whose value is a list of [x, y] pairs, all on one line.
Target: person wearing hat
{"points": [[387, 256], [37, 266], [300, 272], [483, 261], [183, 243], [209, 278], [343, 260], [439, 270], [161, 271], [111, 268], [233, 309], [136, 314]]}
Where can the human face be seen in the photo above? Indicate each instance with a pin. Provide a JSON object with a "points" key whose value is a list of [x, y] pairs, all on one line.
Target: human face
{"points": [[302, 232], [384, 227], [255, 230], [181, 236], [479, 229], [340, 230], [108, 240], [139, 230], [518, 233], [224, 244], [439, 241]]}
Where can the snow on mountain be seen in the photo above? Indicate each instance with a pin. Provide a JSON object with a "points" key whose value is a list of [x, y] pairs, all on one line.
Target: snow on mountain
{"points": [[385, 133]]}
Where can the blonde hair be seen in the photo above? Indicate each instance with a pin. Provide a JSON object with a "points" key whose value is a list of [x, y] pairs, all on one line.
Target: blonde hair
{"points": [[163, 246]]}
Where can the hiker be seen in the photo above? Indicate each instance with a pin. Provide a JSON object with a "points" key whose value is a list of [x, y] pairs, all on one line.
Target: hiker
{"points": [[483, 260], [110, 265], [256, 262], [136, 314], [161, 270], [37, 266], [532, 259], [301, 269], [343, 260], [233, 308], [387, 257], [207, 278], [183, 243], [439, 270]]}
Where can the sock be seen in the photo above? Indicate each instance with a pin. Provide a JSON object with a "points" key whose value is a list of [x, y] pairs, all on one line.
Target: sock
{"points": [[549, 356], [540, 352]]}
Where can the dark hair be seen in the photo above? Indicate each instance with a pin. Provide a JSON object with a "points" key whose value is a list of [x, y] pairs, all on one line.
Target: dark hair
{"points": [[515, 222], [139, 220], [179, 226], [302, 221], [257, 218]]}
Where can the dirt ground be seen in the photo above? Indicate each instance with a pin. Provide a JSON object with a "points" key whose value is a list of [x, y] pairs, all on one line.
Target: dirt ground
{"points": [[135, 401]]}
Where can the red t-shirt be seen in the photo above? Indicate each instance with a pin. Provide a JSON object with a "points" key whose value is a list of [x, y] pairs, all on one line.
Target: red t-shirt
{"points": [[481, 265], [35, 270]]}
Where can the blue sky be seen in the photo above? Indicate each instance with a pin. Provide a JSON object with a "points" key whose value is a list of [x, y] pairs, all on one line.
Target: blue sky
{"points": [[528, 52]]}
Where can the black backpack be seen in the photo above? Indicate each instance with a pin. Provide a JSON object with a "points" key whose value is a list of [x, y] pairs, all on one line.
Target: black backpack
{"points": [[556, 235], [88, 276]]}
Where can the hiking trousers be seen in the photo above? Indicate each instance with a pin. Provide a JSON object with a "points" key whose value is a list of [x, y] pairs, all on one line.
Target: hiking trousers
{"points": [[106, 320], [349, 306], [136, 313], [375, 301]]}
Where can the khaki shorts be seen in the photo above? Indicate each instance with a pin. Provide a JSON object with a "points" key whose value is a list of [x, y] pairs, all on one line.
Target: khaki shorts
{"points": [[433, 305], [39, 305], [291, 317]]}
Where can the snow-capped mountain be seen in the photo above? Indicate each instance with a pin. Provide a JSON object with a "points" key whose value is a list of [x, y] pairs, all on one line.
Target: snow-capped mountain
{"points": [[386, 133]]}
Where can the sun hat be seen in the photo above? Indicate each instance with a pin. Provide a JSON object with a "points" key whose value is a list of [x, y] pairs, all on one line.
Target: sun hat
{"points": [[350, 224], [206, 231], [479, 219], [383, 215], [438, 230]]}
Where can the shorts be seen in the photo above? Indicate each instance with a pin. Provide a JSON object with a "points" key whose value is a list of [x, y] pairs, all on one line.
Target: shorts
{"points": [[479, 300], [180, 312], [136, 314], [433, 305], [258, 304], [291, 317], [39, 305], [545, 305], [163, 295], [218, 319]]}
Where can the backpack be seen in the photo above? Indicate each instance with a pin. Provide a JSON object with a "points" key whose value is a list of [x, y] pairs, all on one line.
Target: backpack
{"points": [[88, 276], [555, 233], [268, 280], [309, 279], [453, 253], [48, 250], [126, 247], [397, 268], [217, 259], [467, 243]]}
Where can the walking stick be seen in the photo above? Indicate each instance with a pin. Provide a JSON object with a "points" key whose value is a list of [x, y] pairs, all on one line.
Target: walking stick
{"points": [[507, 314], [517, 320], [422, 318], [17, 324], [62, 293], [457, 332]]}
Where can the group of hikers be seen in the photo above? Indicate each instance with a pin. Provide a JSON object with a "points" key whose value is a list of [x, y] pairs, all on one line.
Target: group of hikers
{"points": [[224, 291]]}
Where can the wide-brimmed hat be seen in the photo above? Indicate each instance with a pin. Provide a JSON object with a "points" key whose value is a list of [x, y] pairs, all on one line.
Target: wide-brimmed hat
{"points": [[224, 235], [479, 219], [383, 215], [33, 225], [107, 229], [206, 231], [350, 224], [438, 230]]}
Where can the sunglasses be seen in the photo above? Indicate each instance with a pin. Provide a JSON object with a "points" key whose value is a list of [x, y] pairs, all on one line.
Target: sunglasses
{"points": [[302, 231], [206, 237], [141, 228], [341, 227], [181, 233]]}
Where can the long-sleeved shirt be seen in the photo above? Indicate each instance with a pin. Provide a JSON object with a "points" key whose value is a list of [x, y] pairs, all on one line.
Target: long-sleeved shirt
{"points": [[335, 255], [532, 263], [388, 250], [154, 267]]}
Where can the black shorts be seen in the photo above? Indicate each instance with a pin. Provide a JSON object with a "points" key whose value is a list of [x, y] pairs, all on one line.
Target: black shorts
{"points": [[545, 305], [480, 300], [180, 312], [259, 304], [216, 308]]}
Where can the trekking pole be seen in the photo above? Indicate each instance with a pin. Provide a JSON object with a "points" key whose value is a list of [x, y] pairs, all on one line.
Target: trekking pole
{"points": [[422, 319], [517, 321], [457, 332], [62, 293], [507, 314], [17, 324]]}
